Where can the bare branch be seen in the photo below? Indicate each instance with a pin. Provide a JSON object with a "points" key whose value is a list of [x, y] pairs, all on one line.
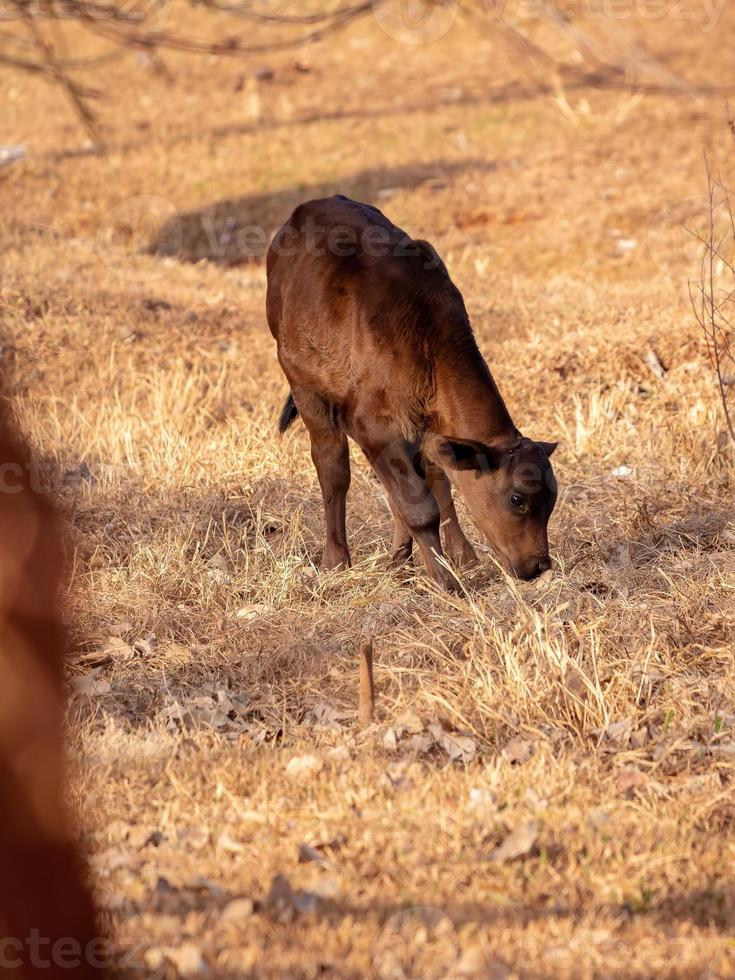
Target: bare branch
{"points": [[711, 302], [126, 28], [58, 71]]}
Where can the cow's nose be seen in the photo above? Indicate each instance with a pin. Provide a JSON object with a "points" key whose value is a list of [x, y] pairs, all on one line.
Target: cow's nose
{"points": [[533, 568]]}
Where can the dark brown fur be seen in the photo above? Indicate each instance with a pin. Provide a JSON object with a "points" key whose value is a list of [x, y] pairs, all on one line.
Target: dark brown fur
{"points": [[376, 344]]}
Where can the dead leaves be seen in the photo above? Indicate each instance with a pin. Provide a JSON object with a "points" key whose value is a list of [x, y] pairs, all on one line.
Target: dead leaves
{"points": [[519, 843], [187, 959], [619, 731], [622, 734], [402, 774], [459, 748], [518, 750], [630, 778], [309, 853], [128, 842], [481, 802], [326, 716], [254, 612], [226, 843], [174, 898], [91, 685], [319, 850], [411, 733], [113, 652], [194, 838], [476, 964], [237, 910], [408, 723], [283, 903], [229, 713], [303, 767], [204, 711]]}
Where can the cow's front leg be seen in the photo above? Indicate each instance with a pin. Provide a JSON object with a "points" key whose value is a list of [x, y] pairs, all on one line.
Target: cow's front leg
{"points": [[398, 466], [457, 547]]}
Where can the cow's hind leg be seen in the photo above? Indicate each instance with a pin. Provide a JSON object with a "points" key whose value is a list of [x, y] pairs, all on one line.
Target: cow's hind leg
{"points": [[331, 457]]}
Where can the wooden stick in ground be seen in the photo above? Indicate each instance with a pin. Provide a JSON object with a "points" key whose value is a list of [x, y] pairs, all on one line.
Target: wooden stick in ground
{"points": [[366, 704]]}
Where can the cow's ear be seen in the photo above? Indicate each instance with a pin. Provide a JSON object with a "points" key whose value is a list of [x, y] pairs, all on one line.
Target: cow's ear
{"points": [[466, 454], [548, 447]]}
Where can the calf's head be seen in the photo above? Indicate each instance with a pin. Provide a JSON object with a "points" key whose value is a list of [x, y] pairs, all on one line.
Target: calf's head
{"points": [[511, 492]]}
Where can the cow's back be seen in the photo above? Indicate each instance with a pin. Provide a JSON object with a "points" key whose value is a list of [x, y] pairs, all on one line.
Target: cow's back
{"points": [[355, 301]]}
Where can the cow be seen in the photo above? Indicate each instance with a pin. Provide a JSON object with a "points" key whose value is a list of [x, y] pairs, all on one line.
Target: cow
{"points": [[376, 344]]}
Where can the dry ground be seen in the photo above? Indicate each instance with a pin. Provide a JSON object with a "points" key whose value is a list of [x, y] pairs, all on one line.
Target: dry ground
{"points": [[212, 719]]}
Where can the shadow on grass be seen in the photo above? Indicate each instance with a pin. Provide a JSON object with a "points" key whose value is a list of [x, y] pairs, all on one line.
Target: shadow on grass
{"points": [[407, 934], [237, 231]]}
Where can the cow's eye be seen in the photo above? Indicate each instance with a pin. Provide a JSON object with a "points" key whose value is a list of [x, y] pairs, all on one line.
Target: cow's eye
{"points": [[517, 501]]}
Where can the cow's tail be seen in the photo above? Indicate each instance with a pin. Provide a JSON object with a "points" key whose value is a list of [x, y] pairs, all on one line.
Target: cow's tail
{"points": [[288, 413]]}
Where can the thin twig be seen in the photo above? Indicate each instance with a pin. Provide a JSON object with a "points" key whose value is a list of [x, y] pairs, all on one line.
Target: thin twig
{"points": [[57, 70]]}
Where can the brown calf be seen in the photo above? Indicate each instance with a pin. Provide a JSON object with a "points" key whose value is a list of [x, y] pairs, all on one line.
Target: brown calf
{"points": [[376, 344]]}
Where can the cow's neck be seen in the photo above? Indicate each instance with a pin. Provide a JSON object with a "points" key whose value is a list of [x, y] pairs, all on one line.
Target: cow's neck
{"points": [[468, 403]]}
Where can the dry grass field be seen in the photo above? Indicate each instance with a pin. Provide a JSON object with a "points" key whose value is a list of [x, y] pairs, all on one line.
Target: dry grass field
{"points": [[548, 788]]}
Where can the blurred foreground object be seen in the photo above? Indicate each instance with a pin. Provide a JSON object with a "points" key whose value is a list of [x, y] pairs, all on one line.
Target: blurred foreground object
{"points": [[47, 922]]}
